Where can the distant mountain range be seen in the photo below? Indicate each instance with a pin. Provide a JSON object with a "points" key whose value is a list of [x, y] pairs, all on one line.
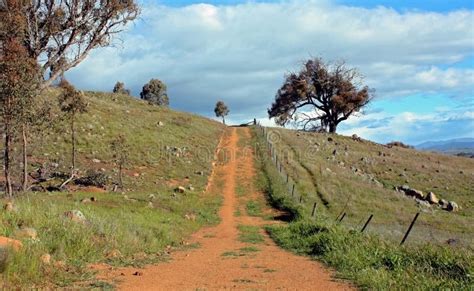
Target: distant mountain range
{"points": [[452, 146]]}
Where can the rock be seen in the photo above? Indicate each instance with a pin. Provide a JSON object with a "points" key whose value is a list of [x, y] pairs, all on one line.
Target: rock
{"points": [[136, 175], [151, 197], [160, 123], [10, 207], [137, 273], [96, 161], [334, 152], [443, 203], [86, 200], [431, 198], [452, 206], [26, 233], [330, 139], [191, 188], [6, 242], [356, 137], [180, 189], [452, 242], [191, 217], [200, 173], [417, 194], [46, 259], [150, 205], [113, 254], [75, 215]]}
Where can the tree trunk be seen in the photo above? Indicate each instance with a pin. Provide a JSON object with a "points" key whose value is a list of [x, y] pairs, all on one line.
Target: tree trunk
{"points": [[223, 119], [332, 127], [25, 157], [120, 176], [6, 160], [73, 142]]}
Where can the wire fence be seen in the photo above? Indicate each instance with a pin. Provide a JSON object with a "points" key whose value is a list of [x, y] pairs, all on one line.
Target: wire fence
{"points": [[312, 203]]}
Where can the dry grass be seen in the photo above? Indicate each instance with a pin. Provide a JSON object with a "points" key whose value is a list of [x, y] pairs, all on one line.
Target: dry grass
{"points": [[360, 177]]}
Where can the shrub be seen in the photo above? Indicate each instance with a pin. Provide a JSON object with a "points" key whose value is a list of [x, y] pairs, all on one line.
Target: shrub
{"points": [[93, 178], [398, 144], [155, 93], [119, 88]]}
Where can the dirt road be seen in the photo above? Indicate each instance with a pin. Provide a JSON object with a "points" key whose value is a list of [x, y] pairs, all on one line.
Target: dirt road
{"points": [[223, 260]]}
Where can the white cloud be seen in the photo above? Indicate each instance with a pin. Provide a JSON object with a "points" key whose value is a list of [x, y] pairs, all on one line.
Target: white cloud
{"points": [[240, 53]]}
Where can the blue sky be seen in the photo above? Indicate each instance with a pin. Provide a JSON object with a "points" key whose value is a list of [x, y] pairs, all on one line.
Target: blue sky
{"points": [[418, 55]]}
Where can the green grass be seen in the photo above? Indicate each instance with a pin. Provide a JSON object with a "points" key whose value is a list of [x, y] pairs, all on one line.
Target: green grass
{"points": [[250, 234], [369, 260], [253, 208], [130, 228]]}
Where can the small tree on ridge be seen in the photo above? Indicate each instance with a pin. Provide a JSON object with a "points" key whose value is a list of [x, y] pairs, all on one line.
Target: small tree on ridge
{"points": [[221, 110], [155, 93]]}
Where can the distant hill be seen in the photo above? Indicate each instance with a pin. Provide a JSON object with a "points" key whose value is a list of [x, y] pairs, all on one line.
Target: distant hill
{"points": [[452, 146]]}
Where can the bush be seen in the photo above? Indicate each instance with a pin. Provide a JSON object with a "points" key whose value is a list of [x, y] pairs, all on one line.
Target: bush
{"points": [[119, 88], [398, 144], [155, 93]]}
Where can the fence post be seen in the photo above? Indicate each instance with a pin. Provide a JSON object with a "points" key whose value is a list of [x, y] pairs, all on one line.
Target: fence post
{"points": [[314, 209], [367, 223], [409, 228], [343, 215]]}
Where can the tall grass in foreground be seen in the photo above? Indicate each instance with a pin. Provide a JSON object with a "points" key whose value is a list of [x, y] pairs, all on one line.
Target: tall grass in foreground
{"points": [[367, 260]]}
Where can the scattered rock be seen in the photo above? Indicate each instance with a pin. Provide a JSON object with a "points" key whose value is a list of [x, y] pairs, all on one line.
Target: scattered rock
{"points": [[151, 197], [356, 137], [180, 189], [431, 198], [150, 205], [452, 206], [191, 217], [46, 259], [10, 207], [330, 139], [191, 188], [96, 161], [200, 173], [452, 242], [26, 233], [334, 152], [160, 123], [75, 215], [6, 242], [136, 175], [423, 203]]}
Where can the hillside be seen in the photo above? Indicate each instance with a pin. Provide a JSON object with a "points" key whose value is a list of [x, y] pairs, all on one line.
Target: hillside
{"points": [[463, 146], [131, 227], [359, 177]]}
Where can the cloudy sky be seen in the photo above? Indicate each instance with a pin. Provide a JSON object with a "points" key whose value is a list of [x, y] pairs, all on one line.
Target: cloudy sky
{"points": [[418, 55]]}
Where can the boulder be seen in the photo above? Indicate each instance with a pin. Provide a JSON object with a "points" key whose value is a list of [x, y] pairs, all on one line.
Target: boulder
{"points": [[431, 198], [6, 242], [418, 194], [443, 203], [75, 215], [452, 206], [180, 189], [26, 233]]}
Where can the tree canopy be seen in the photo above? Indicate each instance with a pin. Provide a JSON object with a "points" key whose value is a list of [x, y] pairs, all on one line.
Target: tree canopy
{"points": [[221, 110], [320, 96], [155, 93], [60, 34]]}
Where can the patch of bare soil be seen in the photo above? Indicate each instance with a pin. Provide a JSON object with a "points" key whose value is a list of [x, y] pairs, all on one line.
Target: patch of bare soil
{"points": [[224, 262]]}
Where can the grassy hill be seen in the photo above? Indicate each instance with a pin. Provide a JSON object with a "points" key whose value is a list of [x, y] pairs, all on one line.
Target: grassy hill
{"points": [[359, 177], [133, 227]]}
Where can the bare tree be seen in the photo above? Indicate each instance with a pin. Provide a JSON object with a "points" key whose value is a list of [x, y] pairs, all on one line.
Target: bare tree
{"points": [[221, 110], [121, 151], [324, 94], [19, 80], [59, 34], [71, 103]]}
